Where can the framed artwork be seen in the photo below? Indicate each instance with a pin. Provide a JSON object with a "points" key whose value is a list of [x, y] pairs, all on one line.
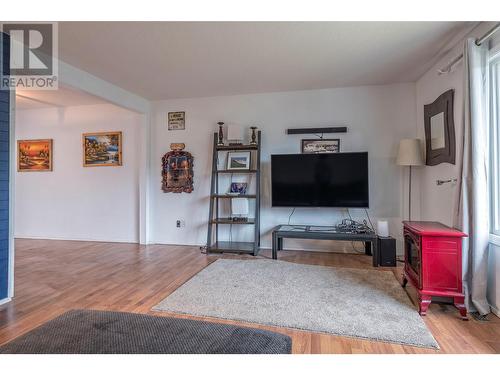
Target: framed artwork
{"points": [[34, 155], [317, 146], [239, 188], [176, 120], [102, 149], [238, 160], [177, 171]]}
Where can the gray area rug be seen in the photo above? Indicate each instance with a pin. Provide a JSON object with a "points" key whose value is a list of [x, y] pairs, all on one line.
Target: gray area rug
{"points": [[359, 303], [107, 332]]}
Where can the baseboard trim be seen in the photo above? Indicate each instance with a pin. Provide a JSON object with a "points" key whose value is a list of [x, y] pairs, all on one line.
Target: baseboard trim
{"points": [[77, 239], [5, 300]]}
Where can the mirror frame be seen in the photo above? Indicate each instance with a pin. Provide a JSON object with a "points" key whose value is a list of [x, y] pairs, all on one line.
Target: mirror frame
{"points": [[447, 154]]}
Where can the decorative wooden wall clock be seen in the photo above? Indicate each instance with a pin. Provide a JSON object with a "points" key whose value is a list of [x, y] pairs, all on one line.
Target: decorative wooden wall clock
{"points": [[177, 170]]}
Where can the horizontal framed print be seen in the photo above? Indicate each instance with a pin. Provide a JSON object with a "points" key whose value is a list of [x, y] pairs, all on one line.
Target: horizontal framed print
{"points": [[102, 149], [318, 146], [176, 120], [239, 188], [238, 160], [34, 155]]}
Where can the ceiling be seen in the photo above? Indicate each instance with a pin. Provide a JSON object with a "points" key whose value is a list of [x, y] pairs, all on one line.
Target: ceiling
{"points": [[62, 97], [165, 60]]}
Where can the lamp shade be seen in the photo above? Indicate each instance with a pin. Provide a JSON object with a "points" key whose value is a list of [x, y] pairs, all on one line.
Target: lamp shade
{"points": [[410, 153]]}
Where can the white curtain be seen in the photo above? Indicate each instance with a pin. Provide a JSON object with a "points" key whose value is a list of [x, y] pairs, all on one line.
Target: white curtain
{"points": [[473, 206]]}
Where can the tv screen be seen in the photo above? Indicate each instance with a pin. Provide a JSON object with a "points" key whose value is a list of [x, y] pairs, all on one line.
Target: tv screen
{"points": [[320, 180]]}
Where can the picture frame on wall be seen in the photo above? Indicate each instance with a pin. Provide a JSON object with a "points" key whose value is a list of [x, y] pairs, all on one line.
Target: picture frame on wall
{"points": [[34, 155], [176, 120], [177, 171], [319, 146], [102, 149], [238, 161]]}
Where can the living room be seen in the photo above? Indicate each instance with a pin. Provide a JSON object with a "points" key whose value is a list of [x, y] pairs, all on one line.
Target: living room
{"points": [[323, 187]]}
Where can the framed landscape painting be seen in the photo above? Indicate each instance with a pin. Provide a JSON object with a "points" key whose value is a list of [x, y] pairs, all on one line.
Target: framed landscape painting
{"points": [[34, 155], [102, 149], [238, 160]]}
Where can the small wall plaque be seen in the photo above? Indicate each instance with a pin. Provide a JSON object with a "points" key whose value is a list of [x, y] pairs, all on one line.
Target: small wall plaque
{"points": [[176, 120]]}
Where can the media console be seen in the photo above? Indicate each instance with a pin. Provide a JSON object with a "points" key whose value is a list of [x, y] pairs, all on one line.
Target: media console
{"points": [[339, 233]]}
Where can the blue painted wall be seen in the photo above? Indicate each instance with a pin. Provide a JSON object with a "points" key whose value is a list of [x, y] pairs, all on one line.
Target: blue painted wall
{"points": [[4, 175]]}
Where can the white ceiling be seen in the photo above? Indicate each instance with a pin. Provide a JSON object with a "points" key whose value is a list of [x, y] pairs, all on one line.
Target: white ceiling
{"points": [[164, 60], [63, 97]]}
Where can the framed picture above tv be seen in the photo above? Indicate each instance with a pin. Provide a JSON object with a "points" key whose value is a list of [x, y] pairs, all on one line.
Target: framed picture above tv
{"points": [[317, 146]]}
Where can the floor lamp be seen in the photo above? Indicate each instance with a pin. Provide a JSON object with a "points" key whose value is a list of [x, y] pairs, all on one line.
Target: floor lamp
{"points": [[409, 155]]}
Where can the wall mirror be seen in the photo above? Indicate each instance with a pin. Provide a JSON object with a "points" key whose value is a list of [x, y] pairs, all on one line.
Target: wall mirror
{"points": [[440, 130], [437, 131]]}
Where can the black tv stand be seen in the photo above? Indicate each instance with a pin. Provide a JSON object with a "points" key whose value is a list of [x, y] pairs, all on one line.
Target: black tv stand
{"points": [[315, 232]]}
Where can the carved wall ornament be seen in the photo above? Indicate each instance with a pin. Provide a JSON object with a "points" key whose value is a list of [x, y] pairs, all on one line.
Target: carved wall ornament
{"points": [[177, 170]]}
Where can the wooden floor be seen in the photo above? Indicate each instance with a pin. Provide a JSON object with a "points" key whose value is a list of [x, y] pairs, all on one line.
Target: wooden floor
{"points": [[55, 276]]}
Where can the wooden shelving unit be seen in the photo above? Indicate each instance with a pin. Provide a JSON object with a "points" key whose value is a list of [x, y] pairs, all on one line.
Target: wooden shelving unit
{"points": [[214, 245]]}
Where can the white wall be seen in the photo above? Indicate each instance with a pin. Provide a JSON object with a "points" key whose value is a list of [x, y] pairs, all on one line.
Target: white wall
{"points": [[437, 202], [73, 202], [377, 118]]}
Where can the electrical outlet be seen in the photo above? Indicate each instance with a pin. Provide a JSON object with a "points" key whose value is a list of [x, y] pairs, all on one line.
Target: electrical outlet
{"points": [[180, 224]]}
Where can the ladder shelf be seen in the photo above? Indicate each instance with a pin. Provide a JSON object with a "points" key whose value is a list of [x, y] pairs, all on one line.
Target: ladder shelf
{"points": [[214, 245]]}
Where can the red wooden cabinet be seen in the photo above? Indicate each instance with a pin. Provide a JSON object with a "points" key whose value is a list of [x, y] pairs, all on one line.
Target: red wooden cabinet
{"points": [[433, 262]]}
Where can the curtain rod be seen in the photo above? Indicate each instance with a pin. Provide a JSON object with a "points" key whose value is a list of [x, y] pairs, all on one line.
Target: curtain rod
{"points": [[447, 68]]}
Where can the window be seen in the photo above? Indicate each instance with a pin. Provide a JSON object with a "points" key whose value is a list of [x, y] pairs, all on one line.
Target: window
{"points": [[495, 144]]}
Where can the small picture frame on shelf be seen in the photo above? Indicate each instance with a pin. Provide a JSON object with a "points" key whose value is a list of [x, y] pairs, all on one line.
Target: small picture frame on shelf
{"points": [[318, 146], [238, 161], [239, 188]]}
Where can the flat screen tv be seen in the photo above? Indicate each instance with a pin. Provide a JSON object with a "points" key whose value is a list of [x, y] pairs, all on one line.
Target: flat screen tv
{"points": [[320, 180]]}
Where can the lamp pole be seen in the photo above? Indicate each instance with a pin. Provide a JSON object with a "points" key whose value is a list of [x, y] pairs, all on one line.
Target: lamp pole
{"points": [[409, 197]]}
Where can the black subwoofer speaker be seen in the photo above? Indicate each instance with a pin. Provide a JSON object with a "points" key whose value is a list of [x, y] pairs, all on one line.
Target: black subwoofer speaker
{"points": [[387, 251]]}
